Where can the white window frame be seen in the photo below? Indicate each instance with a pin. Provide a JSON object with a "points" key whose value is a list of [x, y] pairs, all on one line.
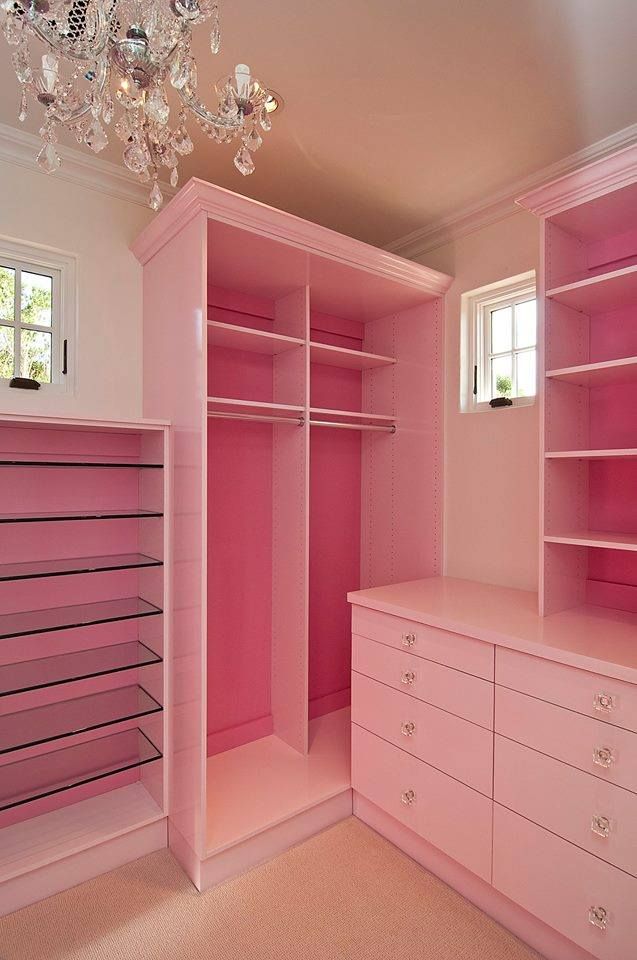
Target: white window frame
{"points": [[476, 353], [62, 268]]}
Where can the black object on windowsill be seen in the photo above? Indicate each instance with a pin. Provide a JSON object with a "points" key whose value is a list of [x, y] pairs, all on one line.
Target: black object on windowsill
{"points": [[501, 402], [24, 383]]}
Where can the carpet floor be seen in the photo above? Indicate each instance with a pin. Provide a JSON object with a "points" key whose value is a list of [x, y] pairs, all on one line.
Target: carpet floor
{"points": [[346, 894]]}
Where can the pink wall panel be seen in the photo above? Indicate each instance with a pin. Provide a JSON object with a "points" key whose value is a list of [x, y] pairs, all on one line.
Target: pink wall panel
{"points": [[613, 417], [239, 574]]}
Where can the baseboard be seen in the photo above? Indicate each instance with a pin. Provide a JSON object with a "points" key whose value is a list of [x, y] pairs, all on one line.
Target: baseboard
{"points": [[319, 706], [184, 854], [244, 856], [233, 737], [547, 942], [52, 878]]}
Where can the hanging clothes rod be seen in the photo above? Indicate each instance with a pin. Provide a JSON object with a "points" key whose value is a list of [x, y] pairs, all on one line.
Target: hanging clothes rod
{"points": [[352, 426], [261, 418]]}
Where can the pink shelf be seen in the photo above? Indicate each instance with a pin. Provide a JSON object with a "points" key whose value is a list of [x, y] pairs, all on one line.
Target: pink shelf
{"points": [[265, 782], [630, 453], [594, 538], [253, 406], [605, 374], [244, 338], [351, 414], [350, 359], [608, 291]]}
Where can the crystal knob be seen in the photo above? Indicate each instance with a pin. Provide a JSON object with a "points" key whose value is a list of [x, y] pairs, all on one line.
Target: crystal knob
{"points": [[409, 639], [408, 729], [598, 916], [407, 677], [601, 826], [603, 757], [604, 702], [408, 798]]}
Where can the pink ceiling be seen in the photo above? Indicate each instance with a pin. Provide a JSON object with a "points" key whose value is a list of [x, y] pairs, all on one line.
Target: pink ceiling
{"points": [[399, 113]]}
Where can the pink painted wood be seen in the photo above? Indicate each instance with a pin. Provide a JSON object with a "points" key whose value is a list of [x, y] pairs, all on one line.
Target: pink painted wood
{"points": [[591, 694], [458, 748], [594, 815], [562, 884], [452, 690], [596, 747], [450, 815]]}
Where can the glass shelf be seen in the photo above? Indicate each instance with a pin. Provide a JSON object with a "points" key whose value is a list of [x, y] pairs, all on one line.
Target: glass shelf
{"points": [[71, 565], [123, 514], [27, 728], [117, 464], [60, 770], [81, 615], [69, 667]]}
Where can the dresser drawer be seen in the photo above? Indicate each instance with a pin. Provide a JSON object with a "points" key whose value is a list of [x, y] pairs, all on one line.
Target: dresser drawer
{"points": [[565, 887], [597, 816], [449, 815], [591, 745], [589, 693], [441, 646], [460, 693], [455, 746]]}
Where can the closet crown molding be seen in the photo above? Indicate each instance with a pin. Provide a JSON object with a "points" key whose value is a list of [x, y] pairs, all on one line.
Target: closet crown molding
{"points": [[526, 192], [21, 148]]}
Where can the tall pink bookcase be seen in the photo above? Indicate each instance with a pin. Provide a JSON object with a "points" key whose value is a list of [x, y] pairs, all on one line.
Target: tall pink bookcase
{"points": [[84, 636], [301, 371], [589, 386]]}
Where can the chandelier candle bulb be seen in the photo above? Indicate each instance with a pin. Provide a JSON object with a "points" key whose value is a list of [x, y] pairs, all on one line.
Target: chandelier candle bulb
{"points": [[142, 51]]}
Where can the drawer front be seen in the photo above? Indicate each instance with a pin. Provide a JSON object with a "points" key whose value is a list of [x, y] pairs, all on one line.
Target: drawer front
{"points": [[589, 693], [449, 815], [591, 745], [595, 815], [441, 646], [460, 693], [565, 887], [452, 745]]}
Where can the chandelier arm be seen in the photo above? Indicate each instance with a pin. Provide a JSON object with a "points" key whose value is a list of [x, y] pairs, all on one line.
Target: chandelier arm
{"points": [[68, 119], [48, 35], [201, 111]]}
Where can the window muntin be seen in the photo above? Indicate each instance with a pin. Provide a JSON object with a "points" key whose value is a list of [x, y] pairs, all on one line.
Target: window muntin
{"points": [[29, 321]]}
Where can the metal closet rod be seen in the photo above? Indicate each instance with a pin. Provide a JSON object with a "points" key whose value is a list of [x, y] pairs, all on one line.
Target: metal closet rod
{"points": [[299, 421]]}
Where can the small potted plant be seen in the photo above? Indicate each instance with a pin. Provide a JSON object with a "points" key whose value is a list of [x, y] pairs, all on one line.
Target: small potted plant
{"points": [[504, 386]]}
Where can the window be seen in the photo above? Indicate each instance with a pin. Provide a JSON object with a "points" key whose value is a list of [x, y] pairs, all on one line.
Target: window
{"points": [[501, 341], [37, 300]]}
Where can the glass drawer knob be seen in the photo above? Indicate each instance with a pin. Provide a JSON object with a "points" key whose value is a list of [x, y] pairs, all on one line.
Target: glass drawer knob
{"points": [[408, 729], [408, 798], [598, 916], [603, 757], [409, 639], [407, 677], [601, 826], [604, 702]]}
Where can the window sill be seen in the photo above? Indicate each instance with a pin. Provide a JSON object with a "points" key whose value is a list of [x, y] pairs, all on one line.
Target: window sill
{"points": [[484, 407]]}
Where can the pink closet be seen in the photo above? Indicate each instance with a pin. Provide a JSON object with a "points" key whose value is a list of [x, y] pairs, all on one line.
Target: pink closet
{"points": [[302, 373]]}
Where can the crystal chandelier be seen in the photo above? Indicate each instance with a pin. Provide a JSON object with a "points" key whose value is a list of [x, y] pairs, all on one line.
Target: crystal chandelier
{"points": [[84, 61]]}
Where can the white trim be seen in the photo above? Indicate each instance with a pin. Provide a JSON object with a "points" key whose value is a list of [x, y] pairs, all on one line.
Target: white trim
{"points": [[502, 204], [65, 266], [79, 167]]}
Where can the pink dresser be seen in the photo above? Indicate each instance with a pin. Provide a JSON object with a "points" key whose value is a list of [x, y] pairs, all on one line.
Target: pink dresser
{"points": [[484, 748]]}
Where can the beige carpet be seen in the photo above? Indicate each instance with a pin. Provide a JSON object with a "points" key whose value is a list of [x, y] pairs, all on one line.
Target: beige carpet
{"points": [[346, 894]]}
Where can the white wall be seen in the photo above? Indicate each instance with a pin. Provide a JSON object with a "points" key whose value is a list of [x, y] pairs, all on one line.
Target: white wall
{"points": [[491, 458], [98, 228]]}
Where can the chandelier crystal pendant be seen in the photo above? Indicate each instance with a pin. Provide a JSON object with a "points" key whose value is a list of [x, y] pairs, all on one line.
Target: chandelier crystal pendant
{"points": [[90, 64]]}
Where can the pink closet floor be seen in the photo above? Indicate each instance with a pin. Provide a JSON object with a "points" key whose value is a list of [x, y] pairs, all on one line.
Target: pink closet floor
{"points": [[261, 784]]}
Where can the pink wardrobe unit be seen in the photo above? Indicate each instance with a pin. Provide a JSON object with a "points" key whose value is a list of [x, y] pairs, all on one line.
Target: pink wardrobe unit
{"points": [[84, 635], [301, 371], [494, 730]]}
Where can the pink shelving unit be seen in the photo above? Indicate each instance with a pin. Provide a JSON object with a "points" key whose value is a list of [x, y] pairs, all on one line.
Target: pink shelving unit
{"points": [[84, 574], [302, 373], [589, 438]]}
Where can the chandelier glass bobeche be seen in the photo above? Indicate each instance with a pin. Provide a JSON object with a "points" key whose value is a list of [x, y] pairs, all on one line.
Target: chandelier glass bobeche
{"points": [[92, 65]]}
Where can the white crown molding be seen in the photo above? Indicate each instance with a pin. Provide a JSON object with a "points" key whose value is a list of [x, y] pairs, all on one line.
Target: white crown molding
{"points": [[502, 204], [21, 148]]}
